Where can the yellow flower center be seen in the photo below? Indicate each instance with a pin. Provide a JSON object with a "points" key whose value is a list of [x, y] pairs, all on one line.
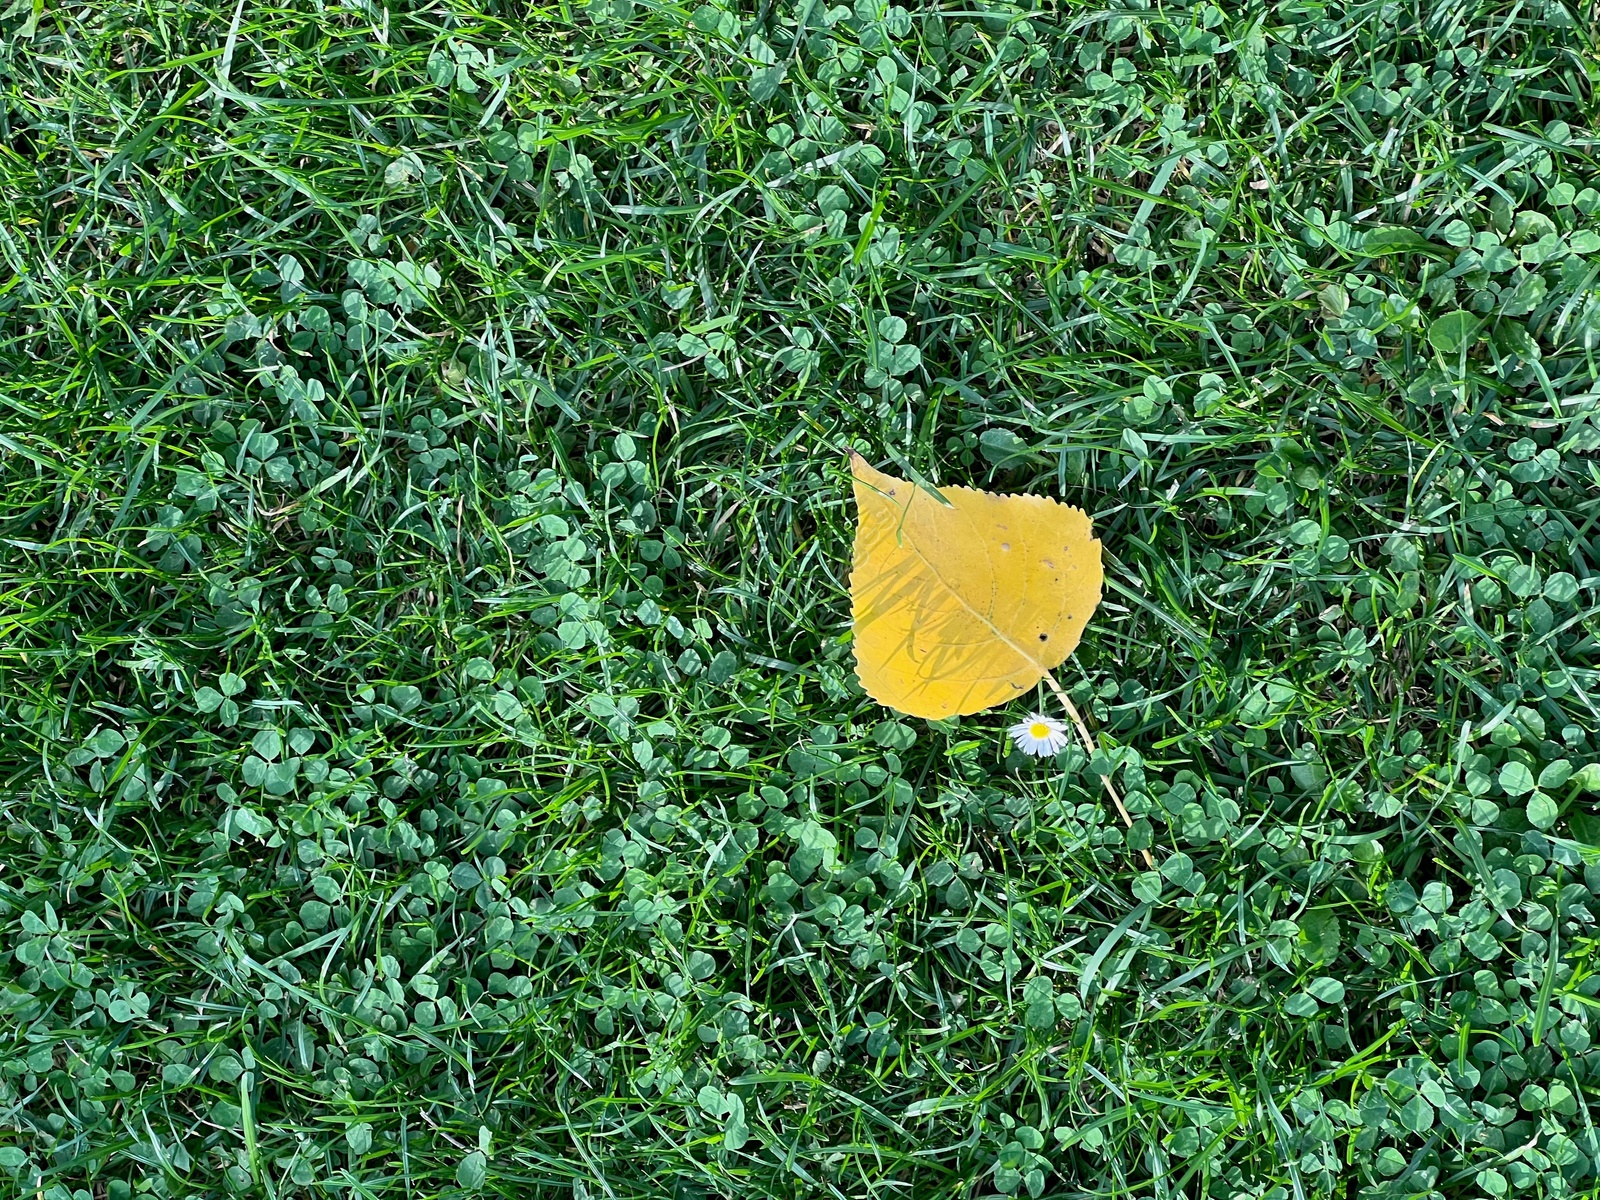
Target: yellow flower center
{"points": [[1039, 730]]}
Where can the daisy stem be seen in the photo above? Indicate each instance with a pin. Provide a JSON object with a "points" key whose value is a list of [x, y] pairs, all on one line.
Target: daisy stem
{"points": [[1089, 748]]}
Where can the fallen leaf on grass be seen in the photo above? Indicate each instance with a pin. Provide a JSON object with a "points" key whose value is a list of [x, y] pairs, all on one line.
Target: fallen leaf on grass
{"points": [[962, 605]]}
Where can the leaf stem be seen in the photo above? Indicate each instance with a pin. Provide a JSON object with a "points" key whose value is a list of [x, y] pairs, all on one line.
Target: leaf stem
{"points": [[1089, 748]]}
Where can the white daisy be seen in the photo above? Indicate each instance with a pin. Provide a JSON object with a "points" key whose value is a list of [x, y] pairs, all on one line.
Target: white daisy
{"points": [[1039, 735]]}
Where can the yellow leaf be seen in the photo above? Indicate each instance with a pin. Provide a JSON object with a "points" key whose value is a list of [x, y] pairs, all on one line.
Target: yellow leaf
{"points": [[964, 605]]}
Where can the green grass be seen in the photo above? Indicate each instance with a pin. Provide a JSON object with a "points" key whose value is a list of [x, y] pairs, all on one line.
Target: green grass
{"points": [[430, 758]]}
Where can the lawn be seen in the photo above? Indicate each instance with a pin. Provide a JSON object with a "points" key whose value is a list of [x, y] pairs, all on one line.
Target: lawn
{"points": [[431, 758]]}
